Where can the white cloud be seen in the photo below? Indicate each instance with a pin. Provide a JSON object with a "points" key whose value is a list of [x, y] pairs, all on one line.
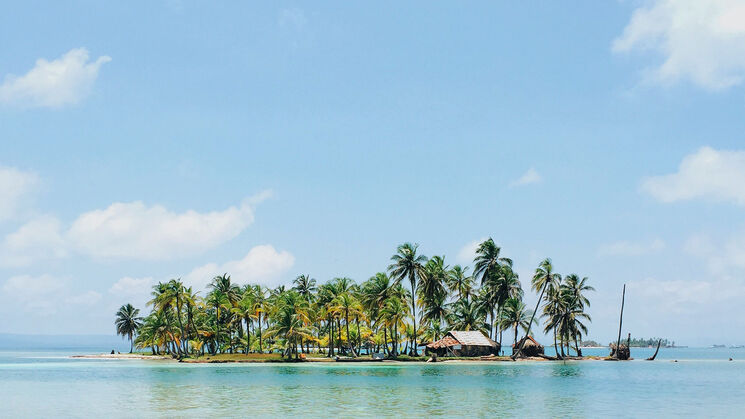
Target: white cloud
{"points": [[34, 293], [528, 178], [64, 81], [15, 186], [722, 254], [132, 286], [468, 251], [88, 298], [132, 231], [718, 175], [688, 296], [700, 41], [136, 231], [627, 248], [40, 238], [262, 264]]}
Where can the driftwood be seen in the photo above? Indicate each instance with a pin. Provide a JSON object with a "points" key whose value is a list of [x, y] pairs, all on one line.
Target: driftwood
{"points": [[651, 358]]}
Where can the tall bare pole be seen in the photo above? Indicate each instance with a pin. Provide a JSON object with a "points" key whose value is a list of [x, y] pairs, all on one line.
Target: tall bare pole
{"points": [[620, 322]]}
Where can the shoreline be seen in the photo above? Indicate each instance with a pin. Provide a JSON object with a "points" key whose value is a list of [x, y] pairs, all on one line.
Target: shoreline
{"points": [[239, 359]]}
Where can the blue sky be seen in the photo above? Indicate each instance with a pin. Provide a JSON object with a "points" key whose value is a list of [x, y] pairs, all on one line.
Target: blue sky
{"points": [[144, 141]]}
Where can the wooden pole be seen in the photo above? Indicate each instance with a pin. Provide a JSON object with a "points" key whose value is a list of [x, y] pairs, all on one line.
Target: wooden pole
{"points": [[620, 322]]}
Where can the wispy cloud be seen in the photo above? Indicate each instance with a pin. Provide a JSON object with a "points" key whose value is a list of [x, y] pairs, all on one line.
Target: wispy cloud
{"points": [[468, 251], [717, 175], [699, 41], [629, 248], [52, 84], [15, 187], [528, 178], [128, 231]]}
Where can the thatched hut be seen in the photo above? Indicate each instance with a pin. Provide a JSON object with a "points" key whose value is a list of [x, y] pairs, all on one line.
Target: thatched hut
{"points": [[530, 347], [623, 353], [463, 343]]}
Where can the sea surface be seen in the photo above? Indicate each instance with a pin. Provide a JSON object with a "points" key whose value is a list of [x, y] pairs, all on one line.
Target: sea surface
{"points": [[703, 383]]}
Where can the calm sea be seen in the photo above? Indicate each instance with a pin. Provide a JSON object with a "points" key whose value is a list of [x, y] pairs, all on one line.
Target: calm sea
{"points": [[703, 383]]}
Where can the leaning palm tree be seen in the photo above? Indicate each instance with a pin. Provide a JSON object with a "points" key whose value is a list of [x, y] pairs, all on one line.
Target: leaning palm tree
{"points": [[408, 265], [128, 322], [544, 277]]}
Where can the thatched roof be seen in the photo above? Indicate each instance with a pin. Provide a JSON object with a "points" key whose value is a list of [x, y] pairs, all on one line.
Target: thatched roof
{"points": [[530, 342], [468, 338]]}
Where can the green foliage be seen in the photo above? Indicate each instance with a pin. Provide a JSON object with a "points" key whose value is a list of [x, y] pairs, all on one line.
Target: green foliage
{"points": [[342, 317]]}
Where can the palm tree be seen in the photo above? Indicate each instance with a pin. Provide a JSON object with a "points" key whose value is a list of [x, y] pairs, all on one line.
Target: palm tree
{"points": [[407, 264], [543, 278], [575, 302], [394, 315], [224, 295], [290, 320], [487, 265], [245, 309], [504, 286], [343, 305], [128, 322], [432, 291], [459, 281], [514, 315], [305, 286], [466, 315]]}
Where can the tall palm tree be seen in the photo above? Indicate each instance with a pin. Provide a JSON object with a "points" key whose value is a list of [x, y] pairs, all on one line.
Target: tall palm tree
{"points": [[543, 278], [466, 315], [505, 285], [407, 264], [487, 265], [305, 286], [460, 282], [514, 316], [128, 322], [225, 296], [432, 291]]}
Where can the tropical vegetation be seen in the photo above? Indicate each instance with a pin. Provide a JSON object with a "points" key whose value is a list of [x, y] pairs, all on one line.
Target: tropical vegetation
{"points": [[415, 301]]}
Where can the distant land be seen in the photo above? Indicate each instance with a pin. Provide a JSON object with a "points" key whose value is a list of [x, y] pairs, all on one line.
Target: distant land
{"points": [[98, 343]]}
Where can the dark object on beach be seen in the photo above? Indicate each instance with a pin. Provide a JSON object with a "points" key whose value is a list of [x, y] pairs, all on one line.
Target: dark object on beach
{"points": [[463, 343], [651, 358], [620, 352], [675, 360], [529, 347], [730, 359], [112, 352]]}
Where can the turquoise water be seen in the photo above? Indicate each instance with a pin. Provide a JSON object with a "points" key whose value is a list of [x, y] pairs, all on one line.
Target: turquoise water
{"points": [[49, 384]]}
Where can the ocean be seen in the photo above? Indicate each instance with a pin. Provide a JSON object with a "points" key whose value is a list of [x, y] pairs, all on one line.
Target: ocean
{"points": [[703, 383]]}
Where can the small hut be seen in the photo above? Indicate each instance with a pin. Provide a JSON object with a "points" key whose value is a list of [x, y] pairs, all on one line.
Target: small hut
{"points": [[463, 343], [530, 348], [623, 354]]}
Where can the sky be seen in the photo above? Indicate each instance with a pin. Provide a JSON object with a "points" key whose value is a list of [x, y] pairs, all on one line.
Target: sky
{"points": [[143, 141]]}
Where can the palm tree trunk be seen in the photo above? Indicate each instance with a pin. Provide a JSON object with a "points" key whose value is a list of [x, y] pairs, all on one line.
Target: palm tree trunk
{"points": [[248, 334], [385, 341], [556, 348], [530, 325], [131, 342], [261, 349], [413, 308], [180, 323]]}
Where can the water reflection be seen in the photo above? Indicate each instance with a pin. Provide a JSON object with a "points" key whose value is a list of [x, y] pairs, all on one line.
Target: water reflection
{"points": [[570, 369]]}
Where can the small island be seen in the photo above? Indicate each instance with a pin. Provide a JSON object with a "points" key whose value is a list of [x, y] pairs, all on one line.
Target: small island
{"points": [[419, 309]]}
